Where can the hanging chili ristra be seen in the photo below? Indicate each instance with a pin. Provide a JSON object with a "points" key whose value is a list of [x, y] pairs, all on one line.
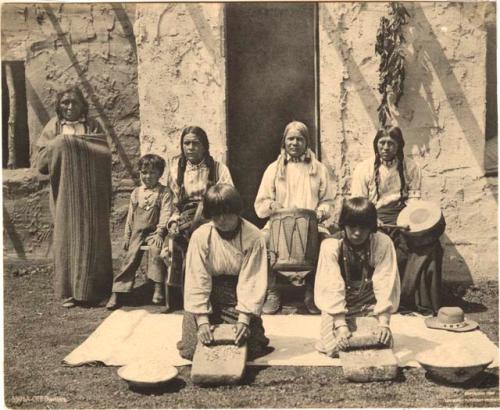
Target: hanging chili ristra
{"points": [[391, 69]]}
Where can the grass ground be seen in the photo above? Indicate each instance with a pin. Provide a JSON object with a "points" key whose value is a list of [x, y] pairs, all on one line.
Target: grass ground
{"points": [[39, 334]]}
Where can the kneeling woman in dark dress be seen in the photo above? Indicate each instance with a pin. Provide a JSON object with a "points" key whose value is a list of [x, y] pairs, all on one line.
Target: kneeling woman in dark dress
{"points": [[356, 276], [226, 276]]}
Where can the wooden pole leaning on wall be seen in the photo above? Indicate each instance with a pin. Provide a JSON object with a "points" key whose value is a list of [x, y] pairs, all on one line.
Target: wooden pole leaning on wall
{"points": [[9, 76]]}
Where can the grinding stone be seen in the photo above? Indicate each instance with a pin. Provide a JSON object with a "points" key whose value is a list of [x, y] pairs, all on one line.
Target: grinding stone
{"points": [[221, 363], [367, 359], [369, 365]]}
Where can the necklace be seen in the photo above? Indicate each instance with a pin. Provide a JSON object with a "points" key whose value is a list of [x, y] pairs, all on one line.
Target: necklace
{"points": [[390, 163], [355, 255]]}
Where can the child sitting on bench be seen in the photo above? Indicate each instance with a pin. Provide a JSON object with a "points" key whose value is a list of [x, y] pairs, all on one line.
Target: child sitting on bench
{"points": [[356, 276], [149, 211]]}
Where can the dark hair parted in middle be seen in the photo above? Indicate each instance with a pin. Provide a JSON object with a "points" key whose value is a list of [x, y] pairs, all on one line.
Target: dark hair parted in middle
{"points": [[152, 161], [358, 211], [221, 199], [77, 93], [396, 134], [181, 168], [199, 132]]}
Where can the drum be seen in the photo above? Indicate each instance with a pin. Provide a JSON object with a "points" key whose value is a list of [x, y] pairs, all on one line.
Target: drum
{"points": [[294, 239], [425, 221]]}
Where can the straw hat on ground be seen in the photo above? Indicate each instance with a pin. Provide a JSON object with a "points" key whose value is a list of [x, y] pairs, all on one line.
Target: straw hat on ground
{"points": [[451, 319]]}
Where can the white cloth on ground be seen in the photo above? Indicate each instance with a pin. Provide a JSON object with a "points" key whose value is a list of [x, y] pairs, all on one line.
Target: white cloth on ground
{"points": [[126, 337]]}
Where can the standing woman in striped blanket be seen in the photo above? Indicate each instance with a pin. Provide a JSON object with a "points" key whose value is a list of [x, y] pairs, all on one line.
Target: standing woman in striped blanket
{"points": [[190, 175], [74, 152]]}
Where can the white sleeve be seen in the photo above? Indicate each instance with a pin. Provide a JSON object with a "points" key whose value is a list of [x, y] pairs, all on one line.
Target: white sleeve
{"points": [[198, 281], [386, 282], [252, 282], [359, 182], [329, 286], [267, 193], [326, 194]]}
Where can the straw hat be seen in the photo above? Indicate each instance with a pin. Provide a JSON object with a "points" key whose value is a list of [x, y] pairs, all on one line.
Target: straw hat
{"points": [[452, 319]]}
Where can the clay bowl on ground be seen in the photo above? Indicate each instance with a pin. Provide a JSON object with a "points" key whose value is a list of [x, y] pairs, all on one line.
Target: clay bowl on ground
{"points": [[147, 374], [454, 364]]}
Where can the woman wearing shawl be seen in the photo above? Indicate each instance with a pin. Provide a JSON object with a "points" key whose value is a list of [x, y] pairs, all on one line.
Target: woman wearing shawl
{"points": [[226, 276], [74, 152], [190, 175], [390, 181], [295, 180]]}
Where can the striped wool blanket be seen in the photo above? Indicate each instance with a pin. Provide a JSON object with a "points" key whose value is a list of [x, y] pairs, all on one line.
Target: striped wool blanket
{"points": [[80, 178]]}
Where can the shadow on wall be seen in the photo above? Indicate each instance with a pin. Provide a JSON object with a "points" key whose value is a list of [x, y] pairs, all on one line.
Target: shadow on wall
{"points": [[126, 24], [334, 27], [418, 115], [334, 31], [11, 233], [455, 268], [204, 30], [426, 43], [88, 87], [39, 109]]}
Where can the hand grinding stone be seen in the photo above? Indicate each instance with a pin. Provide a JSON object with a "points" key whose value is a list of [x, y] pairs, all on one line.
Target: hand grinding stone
{"points": [[367, 359], [220, 363]]}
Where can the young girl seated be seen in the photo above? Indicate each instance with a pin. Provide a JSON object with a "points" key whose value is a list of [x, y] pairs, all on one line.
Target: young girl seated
{"points": [[148, 213], [356, 276]]}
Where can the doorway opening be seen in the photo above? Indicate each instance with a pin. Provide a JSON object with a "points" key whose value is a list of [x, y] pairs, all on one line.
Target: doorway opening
{"points": [[271, 81], [491, 128], [15, 142]]}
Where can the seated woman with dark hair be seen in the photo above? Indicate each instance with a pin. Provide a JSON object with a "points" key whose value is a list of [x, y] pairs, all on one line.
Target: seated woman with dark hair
{"points": [[226, 275], [190, 174], [391, 181], [356, 276]]}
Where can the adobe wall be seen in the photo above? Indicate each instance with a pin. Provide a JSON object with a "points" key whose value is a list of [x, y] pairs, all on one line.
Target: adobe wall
{"points": [[442, 114], [181, 75], [89, 45]]}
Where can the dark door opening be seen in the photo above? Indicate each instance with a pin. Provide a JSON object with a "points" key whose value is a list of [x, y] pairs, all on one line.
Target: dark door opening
{"points": [[271, 80], [491, 129], [21, 146]]}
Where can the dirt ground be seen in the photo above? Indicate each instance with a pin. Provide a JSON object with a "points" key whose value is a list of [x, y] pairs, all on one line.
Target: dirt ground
{"points": [[39, 334]]}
